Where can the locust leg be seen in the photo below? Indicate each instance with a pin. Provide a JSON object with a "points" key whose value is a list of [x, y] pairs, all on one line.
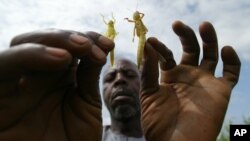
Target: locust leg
{"points": [[140, 49], [112, 60]]}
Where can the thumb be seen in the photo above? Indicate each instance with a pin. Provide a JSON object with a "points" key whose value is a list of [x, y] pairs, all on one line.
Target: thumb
{"points": [[149, 70]]}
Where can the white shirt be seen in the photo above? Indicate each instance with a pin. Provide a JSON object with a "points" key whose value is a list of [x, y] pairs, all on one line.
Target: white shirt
{"points": [[109, 135]]}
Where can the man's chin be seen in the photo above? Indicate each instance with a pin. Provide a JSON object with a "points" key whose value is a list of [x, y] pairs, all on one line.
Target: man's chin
{"points": [[124, 112]]}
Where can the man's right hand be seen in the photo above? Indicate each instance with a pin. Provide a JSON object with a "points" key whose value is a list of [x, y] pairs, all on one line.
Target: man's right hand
{"points": [[46, 93]]}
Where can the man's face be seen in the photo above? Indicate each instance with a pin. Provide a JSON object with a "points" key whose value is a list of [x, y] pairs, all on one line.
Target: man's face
{"points": [[121, 85]]}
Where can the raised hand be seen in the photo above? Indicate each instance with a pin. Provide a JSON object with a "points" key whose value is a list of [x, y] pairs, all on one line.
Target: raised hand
{"points": [[49, 86], [188, 103]]}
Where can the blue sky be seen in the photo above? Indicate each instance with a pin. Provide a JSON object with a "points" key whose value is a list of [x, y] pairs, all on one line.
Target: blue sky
{"points": [[229, 17]]}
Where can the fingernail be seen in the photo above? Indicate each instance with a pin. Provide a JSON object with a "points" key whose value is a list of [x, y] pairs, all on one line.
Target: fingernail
{"points": [[98, 53], [56, 52], [78, 39], [152, 39], [105, 41]]}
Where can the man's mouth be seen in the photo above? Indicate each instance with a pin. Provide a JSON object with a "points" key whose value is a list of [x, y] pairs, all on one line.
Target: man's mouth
{"points": [[122, 95]]}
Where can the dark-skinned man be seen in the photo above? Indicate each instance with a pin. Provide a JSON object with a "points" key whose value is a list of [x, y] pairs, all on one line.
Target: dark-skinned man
{"points": [[45, 95], [121, 85]]}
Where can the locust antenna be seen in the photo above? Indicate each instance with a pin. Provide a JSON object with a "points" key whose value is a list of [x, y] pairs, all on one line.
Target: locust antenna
{"points": [[137, 4]]}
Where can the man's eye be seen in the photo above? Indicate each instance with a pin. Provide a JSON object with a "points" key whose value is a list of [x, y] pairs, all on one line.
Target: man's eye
{"points": [[131, 74], [109, 78]]}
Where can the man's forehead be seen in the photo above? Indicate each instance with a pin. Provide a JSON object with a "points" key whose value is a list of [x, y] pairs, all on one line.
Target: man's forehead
{"points": [[122, 64]]}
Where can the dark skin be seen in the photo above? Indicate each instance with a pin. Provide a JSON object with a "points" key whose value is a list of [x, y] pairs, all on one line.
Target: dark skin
{"points": [[121, 84], [188, 103], [45, 95]]}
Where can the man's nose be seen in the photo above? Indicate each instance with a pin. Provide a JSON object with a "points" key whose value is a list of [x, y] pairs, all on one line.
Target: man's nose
{"points": [[120, 79]]}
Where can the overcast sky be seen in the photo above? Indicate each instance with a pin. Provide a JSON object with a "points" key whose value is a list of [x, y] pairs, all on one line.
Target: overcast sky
{"points": [[229, 17]]}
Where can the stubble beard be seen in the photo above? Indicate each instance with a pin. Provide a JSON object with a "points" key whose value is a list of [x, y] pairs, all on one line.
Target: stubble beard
{"points": [[125, 112]]}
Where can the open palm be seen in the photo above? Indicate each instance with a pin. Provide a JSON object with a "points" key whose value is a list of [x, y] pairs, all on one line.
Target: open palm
{"points": [[189, 103]]}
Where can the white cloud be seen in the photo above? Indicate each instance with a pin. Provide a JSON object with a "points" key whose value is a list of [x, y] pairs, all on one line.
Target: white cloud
{"points": [[228, 17]]}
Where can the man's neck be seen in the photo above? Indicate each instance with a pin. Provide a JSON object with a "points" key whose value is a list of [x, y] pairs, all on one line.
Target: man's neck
{"points": [[131, 128]]}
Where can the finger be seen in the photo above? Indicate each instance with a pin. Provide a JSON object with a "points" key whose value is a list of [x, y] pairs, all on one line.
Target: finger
{"points": [[231, 65], [149, 70], [88, 74], [102, 42], [190, 45], [75, 43], [90, 67], [167, 61], [32, 57], [210, 47]]}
